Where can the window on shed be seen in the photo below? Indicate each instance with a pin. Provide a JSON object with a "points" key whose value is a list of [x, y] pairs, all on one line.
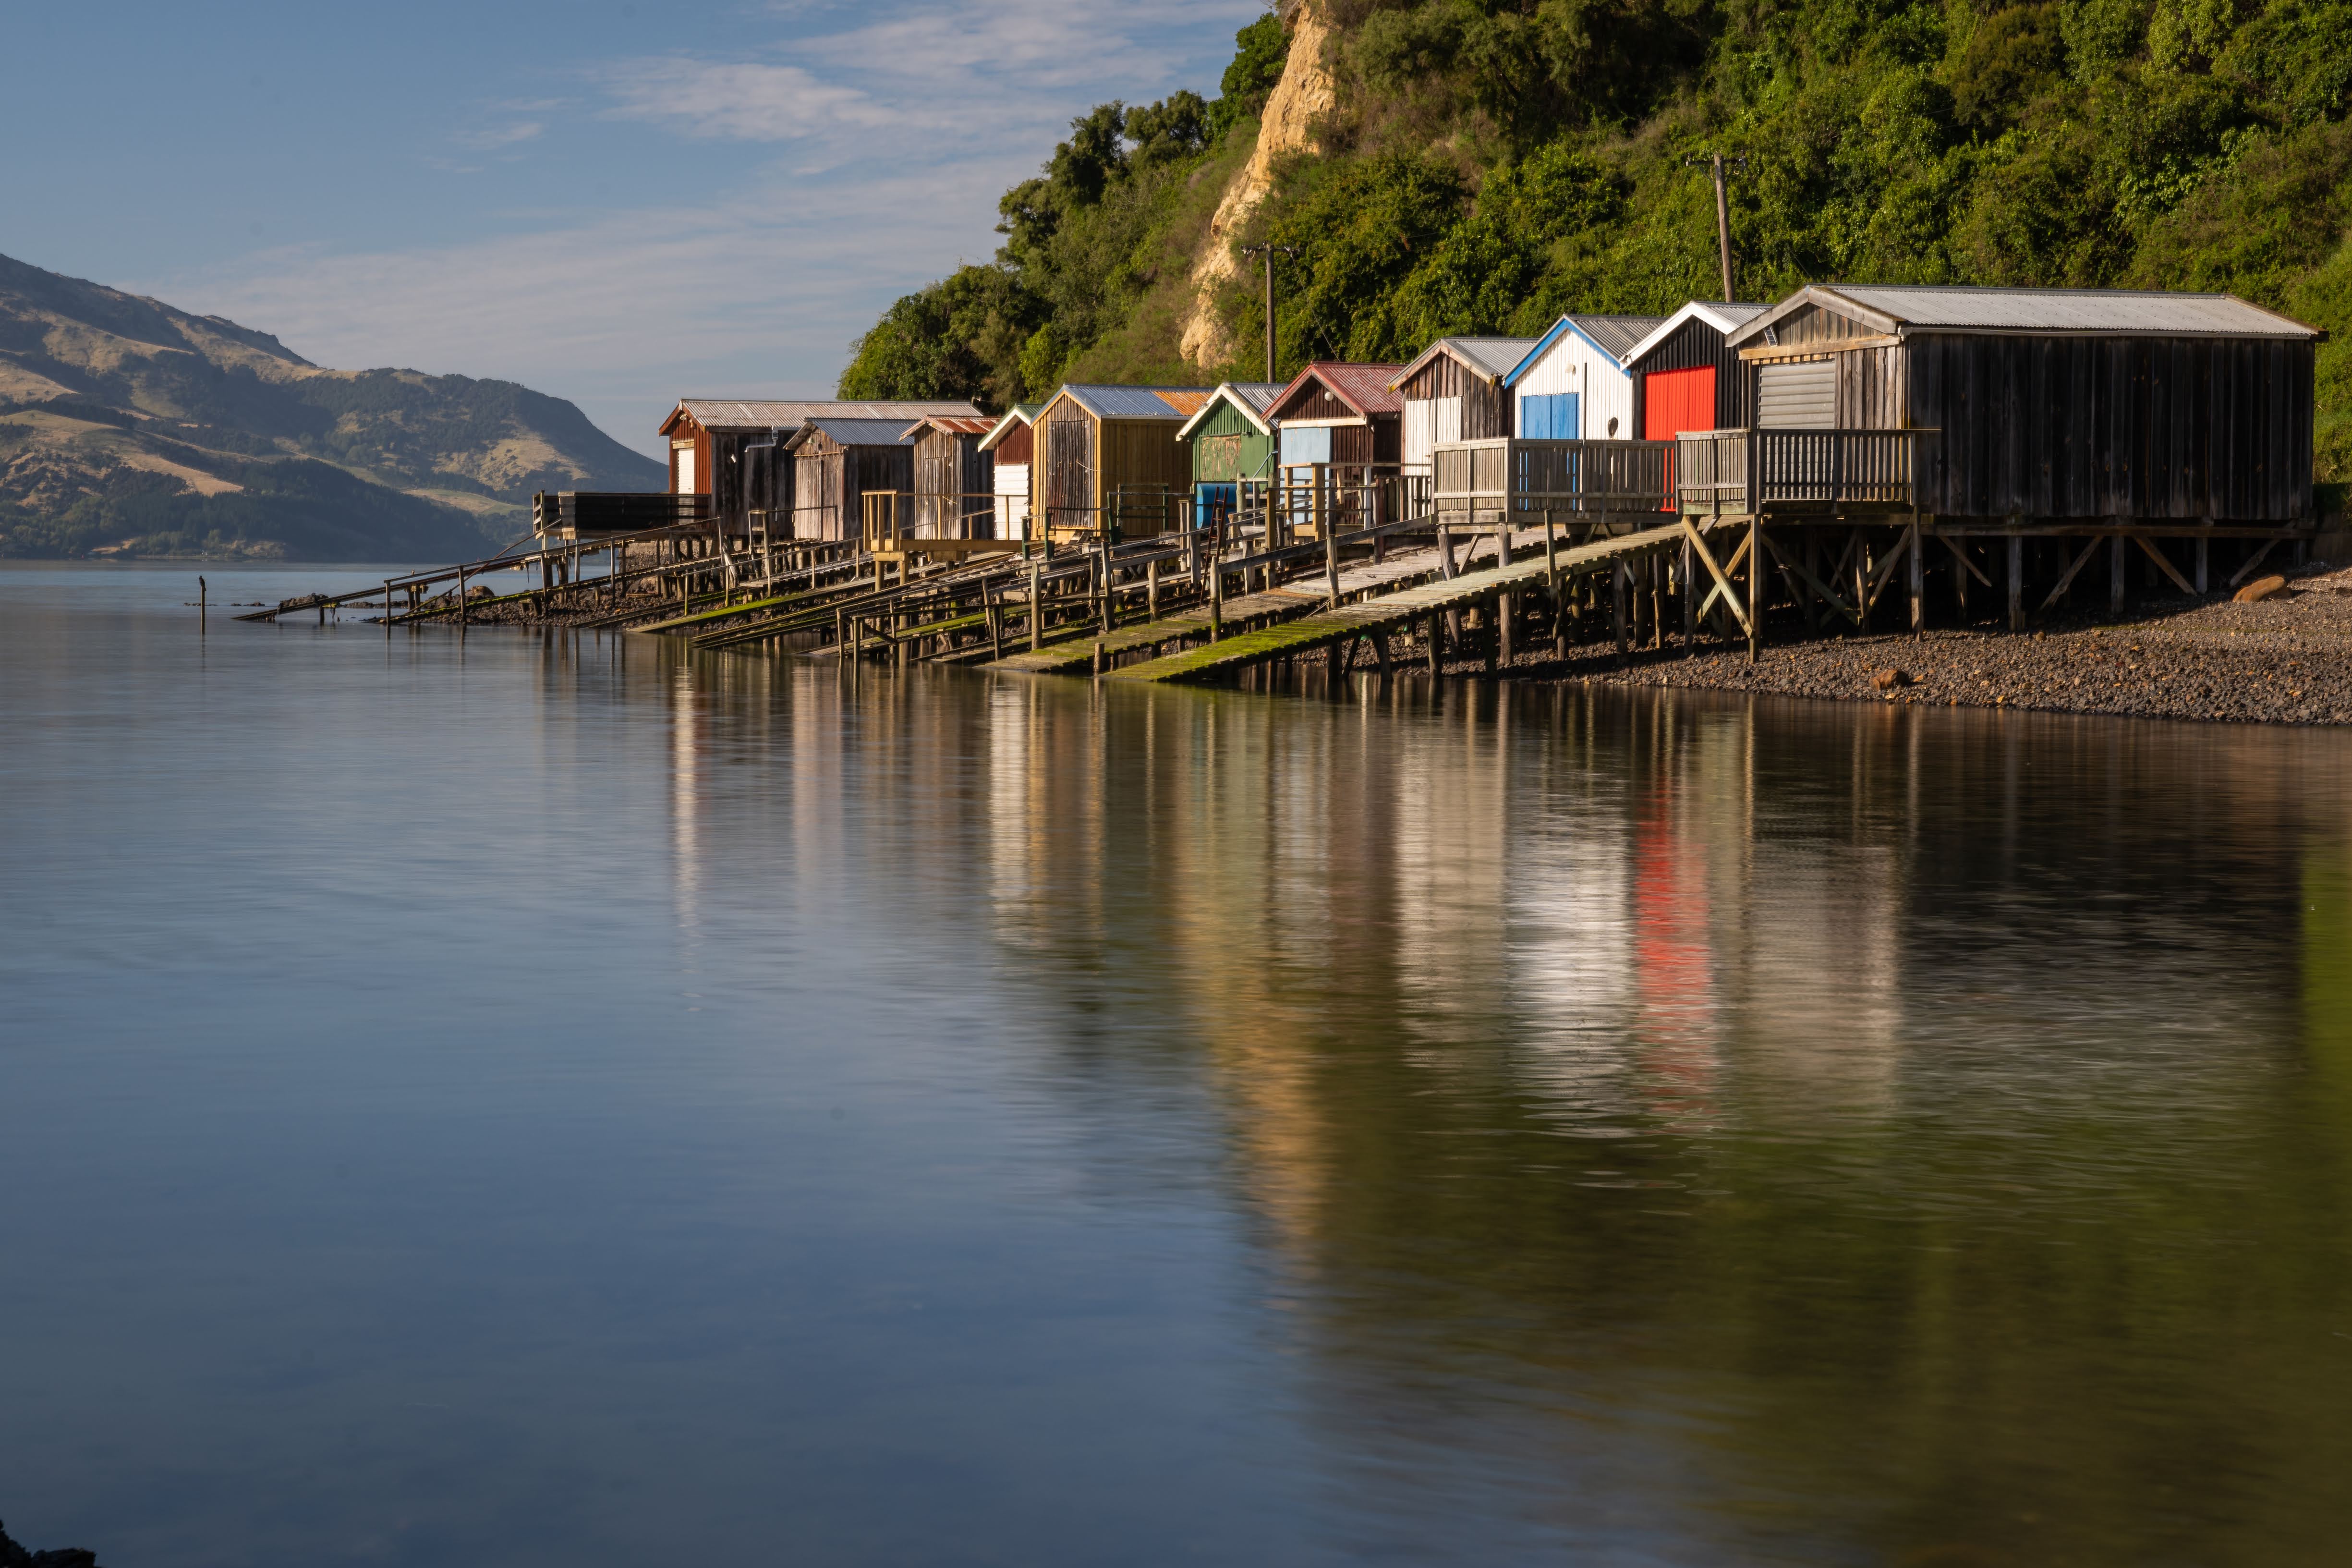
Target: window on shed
{"points": [[1797, 397]]}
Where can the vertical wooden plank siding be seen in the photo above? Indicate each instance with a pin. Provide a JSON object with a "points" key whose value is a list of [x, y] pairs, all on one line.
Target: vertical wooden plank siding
{"points": [[2153, 430]]}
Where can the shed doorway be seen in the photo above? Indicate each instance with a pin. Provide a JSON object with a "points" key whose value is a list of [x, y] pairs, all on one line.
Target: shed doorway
{"points": [[1675, 401], [1550, 416]]}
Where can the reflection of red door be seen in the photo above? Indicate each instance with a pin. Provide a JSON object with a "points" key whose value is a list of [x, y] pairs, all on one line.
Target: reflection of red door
{"points": [[1673, 401]]}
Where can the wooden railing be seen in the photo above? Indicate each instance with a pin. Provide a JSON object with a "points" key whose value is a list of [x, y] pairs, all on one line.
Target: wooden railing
{"points": [[1721, 472], [578, 514], [1478, 482]]}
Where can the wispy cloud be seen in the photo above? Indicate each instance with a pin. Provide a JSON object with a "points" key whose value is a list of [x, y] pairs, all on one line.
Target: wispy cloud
{"points": [[742, 101], [495, 137]]}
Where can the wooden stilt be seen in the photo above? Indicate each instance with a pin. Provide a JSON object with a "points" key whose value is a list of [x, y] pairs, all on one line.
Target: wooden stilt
{"points": [[2116, 574], [2201, 553], [1918, 571], [2016, 584], [1757, 578]]}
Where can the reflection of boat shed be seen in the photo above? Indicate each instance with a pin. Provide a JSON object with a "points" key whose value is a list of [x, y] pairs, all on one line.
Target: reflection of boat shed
{"points": [[836, 463], [733, 450], [1573, 384], [1337, 413], [2050, 404], [1685, 377], [1112, 457], [955, 481], [1454, 392], [1009, 448], [1233, 444]]}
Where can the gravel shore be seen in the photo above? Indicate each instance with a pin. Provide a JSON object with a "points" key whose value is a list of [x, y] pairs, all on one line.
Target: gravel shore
{"points": [[2286, 659]]}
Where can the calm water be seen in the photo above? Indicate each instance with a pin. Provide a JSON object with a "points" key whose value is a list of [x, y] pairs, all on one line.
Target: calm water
{"points": [[558, 1101]]}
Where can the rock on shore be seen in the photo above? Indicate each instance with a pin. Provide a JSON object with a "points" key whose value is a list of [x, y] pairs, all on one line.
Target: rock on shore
{"points": [[15, 1556], [2286, 658]]}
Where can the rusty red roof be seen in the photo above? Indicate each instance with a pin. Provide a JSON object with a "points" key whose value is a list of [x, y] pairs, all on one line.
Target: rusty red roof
{"points": [[1362, 387]]}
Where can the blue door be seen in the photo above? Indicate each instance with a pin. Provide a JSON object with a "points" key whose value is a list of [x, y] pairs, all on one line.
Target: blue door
{"points": [[1549, 417]]}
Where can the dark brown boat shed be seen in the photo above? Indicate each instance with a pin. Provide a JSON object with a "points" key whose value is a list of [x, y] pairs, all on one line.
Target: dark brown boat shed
{"points": [[2053, 405], [836, 463]]}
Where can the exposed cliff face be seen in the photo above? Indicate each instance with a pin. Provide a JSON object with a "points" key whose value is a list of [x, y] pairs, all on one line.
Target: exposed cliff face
{"points": [[1298, 105]]}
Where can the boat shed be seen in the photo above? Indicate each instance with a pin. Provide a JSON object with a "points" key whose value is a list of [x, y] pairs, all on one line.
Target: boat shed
{"points": [[955, 481], [1573, 384], [1113, 456], [1335, 412], [2054, 403], [1453, 392], [837, 462], [1684, 378], [733, 450], [1009, 447], [1232, 444]]}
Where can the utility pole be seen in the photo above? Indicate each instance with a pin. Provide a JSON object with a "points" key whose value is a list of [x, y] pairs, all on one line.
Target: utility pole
{"points": [[1719, 164], [1268, 250]]}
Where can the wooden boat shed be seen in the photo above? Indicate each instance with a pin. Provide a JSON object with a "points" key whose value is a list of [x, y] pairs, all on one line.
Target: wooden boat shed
{"points": [[2051, 404], [1335, 412], [1009, 445], [733, 450], [1111, 457], [838, 461], [1685, 377], [1573, 384], [1232, 444], [1453, 392], [955, 481]]}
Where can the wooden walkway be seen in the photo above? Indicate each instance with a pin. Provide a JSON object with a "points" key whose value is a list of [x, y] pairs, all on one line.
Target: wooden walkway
{"points": [[1391, 611], [1280, 603]]}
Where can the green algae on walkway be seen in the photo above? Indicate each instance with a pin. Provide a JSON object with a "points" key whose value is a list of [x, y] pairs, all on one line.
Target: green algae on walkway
{"points": [[1391, 610]]}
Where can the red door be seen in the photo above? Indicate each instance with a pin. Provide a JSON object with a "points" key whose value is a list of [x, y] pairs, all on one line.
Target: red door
{"points": [[1673, 401]]}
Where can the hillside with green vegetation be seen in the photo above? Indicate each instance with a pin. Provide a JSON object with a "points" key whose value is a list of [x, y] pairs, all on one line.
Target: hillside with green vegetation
{"points": [[1487, 165], [130, 428]]}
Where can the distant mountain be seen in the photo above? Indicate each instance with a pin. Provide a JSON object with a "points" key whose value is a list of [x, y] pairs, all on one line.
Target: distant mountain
{"points": [[130, 428]]}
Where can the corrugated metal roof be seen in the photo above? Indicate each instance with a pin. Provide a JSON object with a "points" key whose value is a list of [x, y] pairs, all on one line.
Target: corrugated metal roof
{"points": [[1715, 313], [1252, 398], [862, 432], [954, 424], [761, 414], [1362, 387], [1617, 335], [1179, 403], [1491, 358], [1610, 335], [2099, 312]]}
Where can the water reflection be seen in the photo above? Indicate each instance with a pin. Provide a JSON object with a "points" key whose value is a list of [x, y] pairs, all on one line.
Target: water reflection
{"points": [[1825, 1133], [563, 1099]]}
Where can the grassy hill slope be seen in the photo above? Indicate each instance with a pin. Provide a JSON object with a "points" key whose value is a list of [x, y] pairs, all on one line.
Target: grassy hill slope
{"points": [[124, 421], [1486, 164]]}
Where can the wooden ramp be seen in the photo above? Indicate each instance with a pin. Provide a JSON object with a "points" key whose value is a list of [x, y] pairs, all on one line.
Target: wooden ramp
{"points": [[1397, 609], [1280, 603]]}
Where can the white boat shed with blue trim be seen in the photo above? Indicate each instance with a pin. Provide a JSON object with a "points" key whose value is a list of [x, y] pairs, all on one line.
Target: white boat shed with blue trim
{"points": [[1573, 384]]}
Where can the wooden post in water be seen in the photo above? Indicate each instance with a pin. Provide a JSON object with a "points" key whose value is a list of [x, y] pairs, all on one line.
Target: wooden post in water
{"points": [[204, 604], [1433, 621], [1756, 581], [1151, 589], [1216, 600], [1037, 604], [2016, 584], [1918, 571]]}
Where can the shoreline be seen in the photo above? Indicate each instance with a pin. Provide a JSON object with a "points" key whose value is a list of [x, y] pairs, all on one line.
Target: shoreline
{"points": [[2286, 659]]}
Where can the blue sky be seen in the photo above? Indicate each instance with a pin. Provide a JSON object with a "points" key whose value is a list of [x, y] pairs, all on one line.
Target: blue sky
{"points": [[615, 203]]}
